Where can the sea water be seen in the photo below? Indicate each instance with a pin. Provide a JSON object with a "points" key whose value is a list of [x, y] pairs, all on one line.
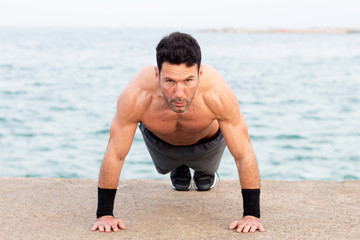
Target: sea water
{"points": [[59, 86]]}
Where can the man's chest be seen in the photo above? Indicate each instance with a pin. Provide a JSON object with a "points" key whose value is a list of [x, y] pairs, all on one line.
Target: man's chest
{"points": [[166, 124]]}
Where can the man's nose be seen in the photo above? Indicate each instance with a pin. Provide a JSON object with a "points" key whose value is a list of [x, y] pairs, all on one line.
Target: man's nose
{"points": [[179, 90]]}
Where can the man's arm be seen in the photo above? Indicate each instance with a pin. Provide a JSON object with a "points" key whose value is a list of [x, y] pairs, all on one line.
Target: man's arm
{"points": [[121, 136], [122, 132], [225, 106], [238, 142]]}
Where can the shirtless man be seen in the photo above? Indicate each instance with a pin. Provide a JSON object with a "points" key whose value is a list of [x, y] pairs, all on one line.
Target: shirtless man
{"points": [[187, 115]]}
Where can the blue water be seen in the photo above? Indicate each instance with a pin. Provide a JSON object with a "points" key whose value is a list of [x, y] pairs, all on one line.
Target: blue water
{"points": [[59, 86]]}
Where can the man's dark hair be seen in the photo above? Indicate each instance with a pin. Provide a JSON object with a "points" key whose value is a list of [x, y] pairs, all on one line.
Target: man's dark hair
{"points": [[178, 48]]}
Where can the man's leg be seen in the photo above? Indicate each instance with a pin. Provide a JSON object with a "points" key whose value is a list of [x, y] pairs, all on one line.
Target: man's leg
{"points": [[160, 152], [204, 157], [167, 158], [181, 178], [206, 160]]}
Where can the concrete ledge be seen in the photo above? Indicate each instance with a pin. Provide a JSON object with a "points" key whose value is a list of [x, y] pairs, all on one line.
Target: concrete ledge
{"points": [[35, 208]]}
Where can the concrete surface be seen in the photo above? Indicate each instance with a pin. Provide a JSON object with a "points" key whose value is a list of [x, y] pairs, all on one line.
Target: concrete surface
{"points": [[36, 208]]}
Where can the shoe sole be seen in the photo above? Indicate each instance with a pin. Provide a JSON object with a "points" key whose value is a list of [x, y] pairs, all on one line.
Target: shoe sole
{"points": [[185, 189], [211, 187]]}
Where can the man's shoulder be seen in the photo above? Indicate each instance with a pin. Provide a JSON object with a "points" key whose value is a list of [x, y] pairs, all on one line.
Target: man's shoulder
{"points": [[208, 70], [144, 76], [139, 92], [217, 94], [144, 80], [212, 79], [212, 82]]}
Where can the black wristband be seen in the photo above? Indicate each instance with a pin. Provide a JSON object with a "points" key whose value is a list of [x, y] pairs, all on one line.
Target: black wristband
{"points": [[251, 202], [106, 199]]}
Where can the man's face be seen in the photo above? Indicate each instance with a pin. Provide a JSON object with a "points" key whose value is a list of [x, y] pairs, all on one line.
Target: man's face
{"points": [[178, 84]]}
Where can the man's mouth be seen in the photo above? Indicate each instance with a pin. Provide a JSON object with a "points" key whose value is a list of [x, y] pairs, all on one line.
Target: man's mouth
{"points": [[179, 104]]}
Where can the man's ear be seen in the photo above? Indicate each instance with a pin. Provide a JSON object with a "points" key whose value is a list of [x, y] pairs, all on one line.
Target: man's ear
{"points": [[200, 71], [156, 72]]}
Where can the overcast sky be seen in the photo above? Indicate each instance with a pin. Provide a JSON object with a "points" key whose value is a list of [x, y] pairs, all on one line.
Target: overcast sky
{"points": [[185, 13]]}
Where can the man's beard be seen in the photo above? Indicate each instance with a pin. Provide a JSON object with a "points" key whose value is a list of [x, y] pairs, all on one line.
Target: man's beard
{"points": [[174, 100]]}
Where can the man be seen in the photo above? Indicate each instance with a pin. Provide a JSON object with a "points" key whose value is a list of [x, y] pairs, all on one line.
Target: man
{"points": [[187, 113]]}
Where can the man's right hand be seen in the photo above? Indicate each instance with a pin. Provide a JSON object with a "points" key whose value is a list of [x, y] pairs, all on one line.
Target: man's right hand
{"points": [[108, 223]]}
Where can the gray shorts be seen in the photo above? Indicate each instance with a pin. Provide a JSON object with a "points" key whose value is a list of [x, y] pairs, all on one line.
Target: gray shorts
{"points": [[203, 156]]}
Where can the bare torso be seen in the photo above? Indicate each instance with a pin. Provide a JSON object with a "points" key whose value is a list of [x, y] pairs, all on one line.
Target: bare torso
{"points": [[180, 128], [198, 122]]}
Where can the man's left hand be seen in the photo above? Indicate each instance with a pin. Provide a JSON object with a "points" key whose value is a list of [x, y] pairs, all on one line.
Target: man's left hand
{"points": [[247, 224]]}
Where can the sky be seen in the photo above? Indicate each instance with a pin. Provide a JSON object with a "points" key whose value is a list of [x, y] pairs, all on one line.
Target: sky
{"points": [[185, 13]]}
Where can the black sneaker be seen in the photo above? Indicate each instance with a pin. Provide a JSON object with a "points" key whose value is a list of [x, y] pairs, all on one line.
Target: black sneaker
{"points": [[181, 178], [203, 181]]}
